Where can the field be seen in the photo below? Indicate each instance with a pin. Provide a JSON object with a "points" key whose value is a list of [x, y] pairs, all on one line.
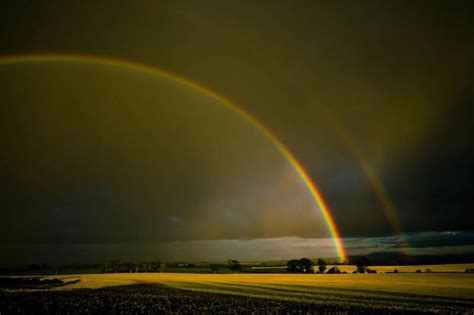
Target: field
{"points": [[246, 293], [423, 268]]}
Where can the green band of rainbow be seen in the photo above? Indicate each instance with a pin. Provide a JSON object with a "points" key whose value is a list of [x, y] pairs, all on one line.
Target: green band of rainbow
{"points": [[135, 66]]}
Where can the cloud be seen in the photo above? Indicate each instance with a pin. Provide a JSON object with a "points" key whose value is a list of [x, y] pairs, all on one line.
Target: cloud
{"points": [[261, 249], [101, 154], [91, 154], [436, 239]]}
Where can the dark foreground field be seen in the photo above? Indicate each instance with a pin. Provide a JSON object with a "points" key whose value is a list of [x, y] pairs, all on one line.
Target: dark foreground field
{"points": [[243, 294], [142, 301], [145, 299]]}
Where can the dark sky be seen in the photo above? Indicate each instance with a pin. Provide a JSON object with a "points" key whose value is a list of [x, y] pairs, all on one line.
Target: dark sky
{"points": [[95, 154]]}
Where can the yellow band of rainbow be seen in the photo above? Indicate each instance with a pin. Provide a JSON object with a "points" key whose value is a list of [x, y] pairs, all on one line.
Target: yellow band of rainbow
{"points": [[135, 66]]}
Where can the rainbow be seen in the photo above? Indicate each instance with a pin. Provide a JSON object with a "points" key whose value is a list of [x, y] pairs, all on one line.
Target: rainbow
{"points": [[136, 66], [374, 181]]}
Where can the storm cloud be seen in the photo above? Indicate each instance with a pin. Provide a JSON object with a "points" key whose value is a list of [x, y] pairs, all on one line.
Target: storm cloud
{"points": [[98, 154]]}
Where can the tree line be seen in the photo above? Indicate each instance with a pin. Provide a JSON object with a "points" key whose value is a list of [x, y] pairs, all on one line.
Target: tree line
{"points": [[118, 266], [306, 265]]}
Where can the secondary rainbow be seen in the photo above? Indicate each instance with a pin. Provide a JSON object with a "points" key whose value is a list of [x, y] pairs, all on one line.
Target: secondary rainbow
{"points": [[373, 179], [136, 66]]}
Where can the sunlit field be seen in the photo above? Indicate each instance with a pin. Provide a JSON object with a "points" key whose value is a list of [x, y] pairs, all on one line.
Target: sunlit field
{"points": [[292, 286], [434, 292], [423, 268]]}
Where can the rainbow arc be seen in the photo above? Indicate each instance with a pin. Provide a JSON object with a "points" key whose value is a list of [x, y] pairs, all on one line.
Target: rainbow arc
{"points": [[135, 66]]}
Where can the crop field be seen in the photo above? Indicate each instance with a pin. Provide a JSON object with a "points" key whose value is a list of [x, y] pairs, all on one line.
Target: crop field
{"points": [[184, 293], [408, 268]]}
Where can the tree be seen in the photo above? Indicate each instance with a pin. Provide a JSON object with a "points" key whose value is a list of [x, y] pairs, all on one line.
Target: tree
{"points": [[234, 265], [115, 265], [362, 264], [131, 267], [306, 265], [144, 267], [162, 267], [293, 265], [303, 265], [322, 265], [155, 266], [214, 268]]}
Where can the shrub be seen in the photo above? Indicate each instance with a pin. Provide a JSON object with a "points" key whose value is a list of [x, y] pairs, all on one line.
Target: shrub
{"points": [[334, 270]]}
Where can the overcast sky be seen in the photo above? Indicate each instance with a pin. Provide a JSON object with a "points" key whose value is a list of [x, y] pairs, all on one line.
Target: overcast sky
{"points": [[97, 154]]}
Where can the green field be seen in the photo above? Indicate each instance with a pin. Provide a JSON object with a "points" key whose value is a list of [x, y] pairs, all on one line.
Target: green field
{"points": [[351, 293]]}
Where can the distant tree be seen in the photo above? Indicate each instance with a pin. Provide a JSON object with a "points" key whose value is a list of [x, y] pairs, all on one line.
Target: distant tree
{"points": [[144, 267], [362, 264], [303, 265], [162, 267], [130, 267], [234, 265], [293, 265], [115, 265], [214, 268], [418, 271], [322, 266], [396, 271], [306, 265], [155, 266]]}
